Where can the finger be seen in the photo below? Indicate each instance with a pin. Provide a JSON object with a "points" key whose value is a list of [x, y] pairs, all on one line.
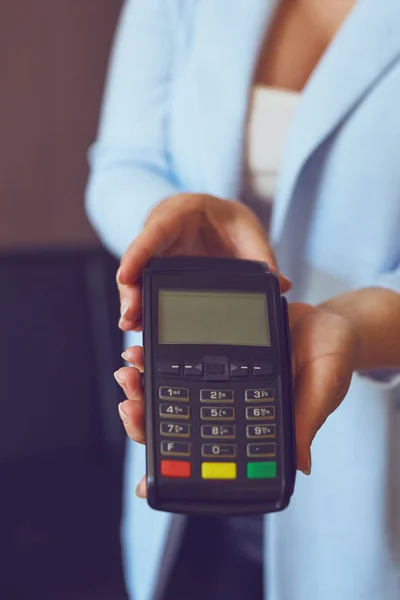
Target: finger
{"points": [[160, 231], [131, 304], [131, 413], [251, 243], [139, 253], [129, 379], [318, 393], [323, 351], [132, 410], [320, 386], [141, 489], [297, 311], [134, 356]]}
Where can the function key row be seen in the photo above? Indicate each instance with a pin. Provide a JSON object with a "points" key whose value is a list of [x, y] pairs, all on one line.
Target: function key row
{"points": [[206, 368], [218, 450], [220, 396], [217, 413]]}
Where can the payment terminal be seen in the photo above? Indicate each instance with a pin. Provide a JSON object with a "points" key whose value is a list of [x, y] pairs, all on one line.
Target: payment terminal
{"points": [[218, 388]]}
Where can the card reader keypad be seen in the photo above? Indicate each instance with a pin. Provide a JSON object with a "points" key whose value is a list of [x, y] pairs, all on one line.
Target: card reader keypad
{"points": [[214, 431]]}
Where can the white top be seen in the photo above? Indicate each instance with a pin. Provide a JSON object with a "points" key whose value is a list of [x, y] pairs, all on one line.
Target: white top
{"points": [[270, 113]]}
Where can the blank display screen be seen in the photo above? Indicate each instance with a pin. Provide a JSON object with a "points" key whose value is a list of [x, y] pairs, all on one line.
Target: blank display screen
{"points": [[213, 318]]}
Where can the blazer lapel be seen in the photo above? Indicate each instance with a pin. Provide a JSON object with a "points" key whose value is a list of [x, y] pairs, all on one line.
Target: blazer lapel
{"points": [[228, 36], [365, 47], [221, 73]]}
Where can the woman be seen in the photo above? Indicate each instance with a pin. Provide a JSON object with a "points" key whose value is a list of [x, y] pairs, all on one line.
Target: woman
{"points": [[208, 101]]}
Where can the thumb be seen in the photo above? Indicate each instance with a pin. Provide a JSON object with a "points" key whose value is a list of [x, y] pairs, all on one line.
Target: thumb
{"points": [[320, 386], [251, 243]]}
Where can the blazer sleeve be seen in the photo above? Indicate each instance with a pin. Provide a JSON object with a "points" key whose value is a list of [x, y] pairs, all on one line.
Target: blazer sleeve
{"points": [[390, 280], [388, 378], [130, 167]]}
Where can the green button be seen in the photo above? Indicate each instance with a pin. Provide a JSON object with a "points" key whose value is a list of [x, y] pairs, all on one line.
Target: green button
{"points": [[261, 470]]}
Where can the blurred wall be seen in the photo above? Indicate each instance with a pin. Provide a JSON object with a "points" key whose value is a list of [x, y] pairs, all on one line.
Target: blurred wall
{"points": [[60, 477], [53, 57]]}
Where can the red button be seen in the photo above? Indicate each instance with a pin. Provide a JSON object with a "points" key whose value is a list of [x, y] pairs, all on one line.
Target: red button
{"points": [[176, 468]]}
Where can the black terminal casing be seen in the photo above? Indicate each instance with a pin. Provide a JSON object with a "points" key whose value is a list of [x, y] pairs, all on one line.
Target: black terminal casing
{"points": [[196, 496]]}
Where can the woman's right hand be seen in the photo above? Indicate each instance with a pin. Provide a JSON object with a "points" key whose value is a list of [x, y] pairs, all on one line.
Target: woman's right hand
{"points": [[131, 410], [184, 225], [190, 225]]}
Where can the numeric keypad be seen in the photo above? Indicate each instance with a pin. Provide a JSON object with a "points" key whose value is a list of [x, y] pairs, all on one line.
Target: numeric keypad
{"points": [[254, 440]]}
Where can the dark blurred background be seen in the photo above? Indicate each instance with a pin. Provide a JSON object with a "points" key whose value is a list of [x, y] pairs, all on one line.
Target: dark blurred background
{"points": [[61, 442]]}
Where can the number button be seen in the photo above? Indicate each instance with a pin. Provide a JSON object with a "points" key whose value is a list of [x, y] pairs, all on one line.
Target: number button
{"points": [[217, 396], [219, 413], [175, 429], [260, 413], [260, 431], [259, 395], [173, 393], [218, 450], [174, 411], [175, 448], [218, 431], [261, 450]]}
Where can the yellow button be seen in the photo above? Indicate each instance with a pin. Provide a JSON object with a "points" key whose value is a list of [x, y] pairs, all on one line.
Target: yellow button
{"points": [[210, 470]]}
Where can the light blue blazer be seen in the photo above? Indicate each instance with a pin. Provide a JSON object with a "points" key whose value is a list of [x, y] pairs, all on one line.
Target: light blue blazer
{"points": [[174, 119]]}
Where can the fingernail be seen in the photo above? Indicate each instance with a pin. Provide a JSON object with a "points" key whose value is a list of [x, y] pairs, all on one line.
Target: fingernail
{"points": [[122, 414], [307, 470], [119, 379], [138, 491], [124, 308], [286, 281], [118, 274], [124, 356]]}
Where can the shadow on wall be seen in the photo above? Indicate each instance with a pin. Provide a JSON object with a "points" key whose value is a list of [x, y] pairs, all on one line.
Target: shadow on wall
{"points": [[53, 61], [61, 441]]}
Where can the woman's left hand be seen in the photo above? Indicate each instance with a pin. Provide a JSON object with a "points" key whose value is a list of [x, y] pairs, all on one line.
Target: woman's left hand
{"points": [[324, 348], [356, 331], [323, 354]]}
